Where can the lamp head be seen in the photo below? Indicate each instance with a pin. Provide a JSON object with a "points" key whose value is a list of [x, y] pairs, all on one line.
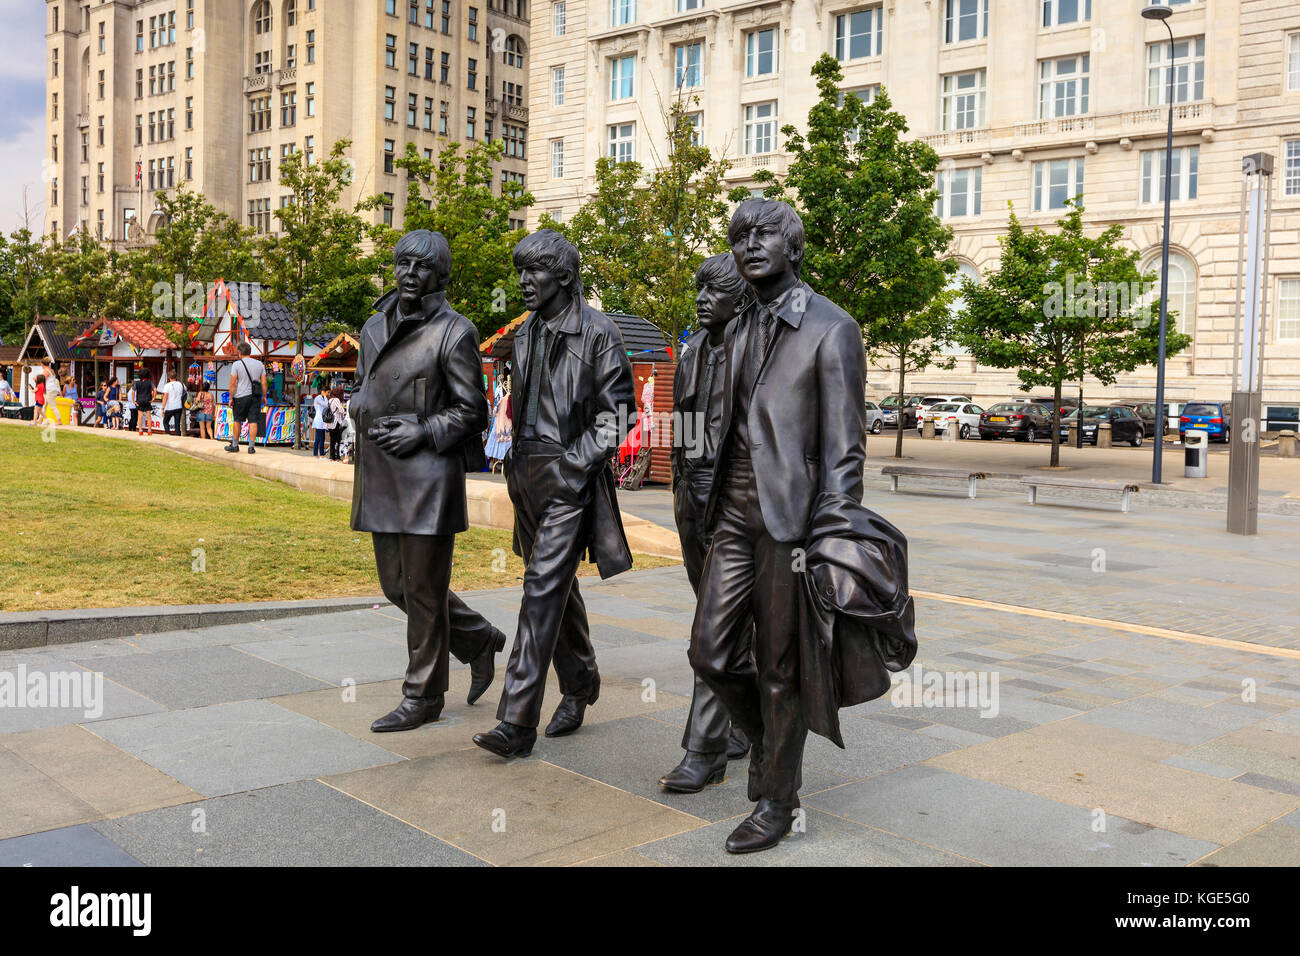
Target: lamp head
{"points": [[1156, 11]]}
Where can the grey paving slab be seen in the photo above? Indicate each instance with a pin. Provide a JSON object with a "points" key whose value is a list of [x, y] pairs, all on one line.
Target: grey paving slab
{"points": [[111, 700], [1202, 766], [871, 748], [200, 676], [632, 753], [295, 824], [1266, 782], [334, 656], [999, 825], [76, 846], [225, 748], [825, 841]]}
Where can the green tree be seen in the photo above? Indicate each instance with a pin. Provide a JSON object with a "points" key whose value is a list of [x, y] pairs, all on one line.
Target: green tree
{"points": [[642, 236], [873, 242], [1062, 305], [453, 194], [316, 264], [24, 259], [84, 280]]}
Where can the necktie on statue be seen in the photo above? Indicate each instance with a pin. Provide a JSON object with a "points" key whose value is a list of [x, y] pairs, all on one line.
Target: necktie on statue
{"points": [[535, 373]]}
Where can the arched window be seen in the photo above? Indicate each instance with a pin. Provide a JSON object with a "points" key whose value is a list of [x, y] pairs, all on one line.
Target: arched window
{"points": [[290, 12], [1182, 288], [261, 17], [514, 51], [958, 305]]}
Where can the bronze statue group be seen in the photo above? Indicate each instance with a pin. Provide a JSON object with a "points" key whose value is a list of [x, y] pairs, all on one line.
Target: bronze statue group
{"points": [[802, 605]]}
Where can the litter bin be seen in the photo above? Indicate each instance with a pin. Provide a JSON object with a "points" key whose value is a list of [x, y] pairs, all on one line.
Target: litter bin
{"points": [[1196, 456], [63, 410]]}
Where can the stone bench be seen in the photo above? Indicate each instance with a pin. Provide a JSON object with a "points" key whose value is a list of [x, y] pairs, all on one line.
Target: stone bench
{"points": [[916, 471], [1126, 489]]}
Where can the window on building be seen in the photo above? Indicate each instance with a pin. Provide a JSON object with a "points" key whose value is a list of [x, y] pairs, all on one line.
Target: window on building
{"points": [[413, 59], [959, 192], [1060, 12], [413, 12], [309, 150], [311, 46], [558, 15], [515, 140], [557, 159], [471, 74], [1291, 167], [760, 128], [289, 108], [557, 86], [390, 7], [290, 55], [390, 103], [621, 137], [99, 177], [139, 84], [189, 63], [261, 63], [514, 54], [621, 12], [1182, 173], [54, 147], [259, 164], [54, 191], [1288, 309], [1063, 86], [963, 100], [620, 77], [688, 71], [760, 52], [965, 20], [446, 17], [428, 113], [1293, 62], [189, 112], [139, 36], [311, 99], [101, 84], [262, 18], [1188, 71], [859, 34], [445, 68], [473, 24], [189, 162], [512, 93], [139, 129], [390, 149], [470, 113], [390, 51], [1055, 181], [1182, 289], [428, 14], [412, 109], [442, 117], [54, 105], [85, 187]]}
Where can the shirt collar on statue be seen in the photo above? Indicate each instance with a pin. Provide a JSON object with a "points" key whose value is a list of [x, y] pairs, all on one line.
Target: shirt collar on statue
{"points": [[791, 304], [569, 321]]}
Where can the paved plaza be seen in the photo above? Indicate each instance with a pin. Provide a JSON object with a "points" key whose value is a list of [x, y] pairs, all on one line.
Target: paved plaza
{"points": [[1139, 704]]}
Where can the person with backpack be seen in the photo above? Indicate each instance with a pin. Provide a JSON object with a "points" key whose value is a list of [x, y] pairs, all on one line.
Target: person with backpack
{"points": [[247, 386], [335, 416]]}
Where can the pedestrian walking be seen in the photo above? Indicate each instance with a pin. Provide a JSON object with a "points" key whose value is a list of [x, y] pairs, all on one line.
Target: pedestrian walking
{"points": [[320, 403], [144, 403], [38, 399], [247, 386], [206, 406], [173, 406], [335, 417]]}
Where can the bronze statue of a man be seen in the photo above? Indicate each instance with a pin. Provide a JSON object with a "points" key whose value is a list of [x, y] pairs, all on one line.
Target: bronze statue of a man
{"points": [[793, 430], [699, 397], [574, 402], [420, 411]]}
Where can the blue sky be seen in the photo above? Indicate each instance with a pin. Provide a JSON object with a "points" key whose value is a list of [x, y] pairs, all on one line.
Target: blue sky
{"points": [[22, 119]]}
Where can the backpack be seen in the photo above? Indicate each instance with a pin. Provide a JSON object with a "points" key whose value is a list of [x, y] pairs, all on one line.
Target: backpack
{"points": [[143, 393], [256, 384], [327, 414]]}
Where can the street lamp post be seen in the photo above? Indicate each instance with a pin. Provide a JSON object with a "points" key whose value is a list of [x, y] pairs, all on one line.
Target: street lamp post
{"points": [[1162, 13]]}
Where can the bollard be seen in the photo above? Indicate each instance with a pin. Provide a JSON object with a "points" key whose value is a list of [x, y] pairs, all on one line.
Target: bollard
{"points": [[1196, 456], [927, 429], [1073, 440], [950, 429], [1286, 444], [1103, 435]]}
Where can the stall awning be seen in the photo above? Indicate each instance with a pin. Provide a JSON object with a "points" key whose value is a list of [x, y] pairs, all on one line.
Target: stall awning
{"points": [[342, 348], [643, 341], [44, 340]]}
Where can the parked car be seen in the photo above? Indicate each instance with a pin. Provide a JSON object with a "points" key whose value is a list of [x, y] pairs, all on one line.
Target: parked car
{"points": [[929, 401], [893, 414], [1145, 411], [1215, 418], [1125, 425], [965, 415], [1021, 421], [875, 418]]}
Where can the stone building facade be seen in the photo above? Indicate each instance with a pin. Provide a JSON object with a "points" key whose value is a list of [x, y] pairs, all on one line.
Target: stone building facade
{"points": [[1026, 101], [144, 95]]}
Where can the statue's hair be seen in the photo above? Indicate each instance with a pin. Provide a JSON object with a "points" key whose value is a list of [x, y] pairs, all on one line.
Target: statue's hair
{"points": [[546, 249], [426, 246], [757, 212], [721, 271]]}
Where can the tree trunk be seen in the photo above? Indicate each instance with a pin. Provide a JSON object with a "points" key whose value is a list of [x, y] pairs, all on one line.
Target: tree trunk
{"points": [[1056, 426], [902, 378]]}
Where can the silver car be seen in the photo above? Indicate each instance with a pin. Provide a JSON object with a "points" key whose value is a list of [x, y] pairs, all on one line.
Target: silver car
{"points": [[875, 418]]}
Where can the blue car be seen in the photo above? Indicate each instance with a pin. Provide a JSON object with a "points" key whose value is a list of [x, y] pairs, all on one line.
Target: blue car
{"points": [[1213, 418]]}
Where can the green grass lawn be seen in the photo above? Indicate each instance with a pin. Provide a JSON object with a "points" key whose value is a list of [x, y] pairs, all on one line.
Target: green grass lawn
{"points": [[89, 521]]}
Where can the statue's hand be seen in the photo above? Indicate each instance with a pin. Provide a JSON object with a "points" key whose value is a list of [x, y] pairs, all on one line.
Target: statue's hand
{"points": [[402, 438]]}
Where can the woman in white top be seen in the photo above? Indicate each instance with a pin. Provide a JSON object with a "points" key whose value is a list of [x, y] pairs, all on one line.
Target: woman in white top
{"points": [[319, 403]]}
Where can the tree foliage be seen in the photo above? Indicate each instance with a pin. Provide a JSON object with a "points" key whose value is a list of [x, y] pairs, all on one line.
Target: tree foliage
{"points": [[874, 245], [643, 235], [1062, 305], [453, 194]]}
